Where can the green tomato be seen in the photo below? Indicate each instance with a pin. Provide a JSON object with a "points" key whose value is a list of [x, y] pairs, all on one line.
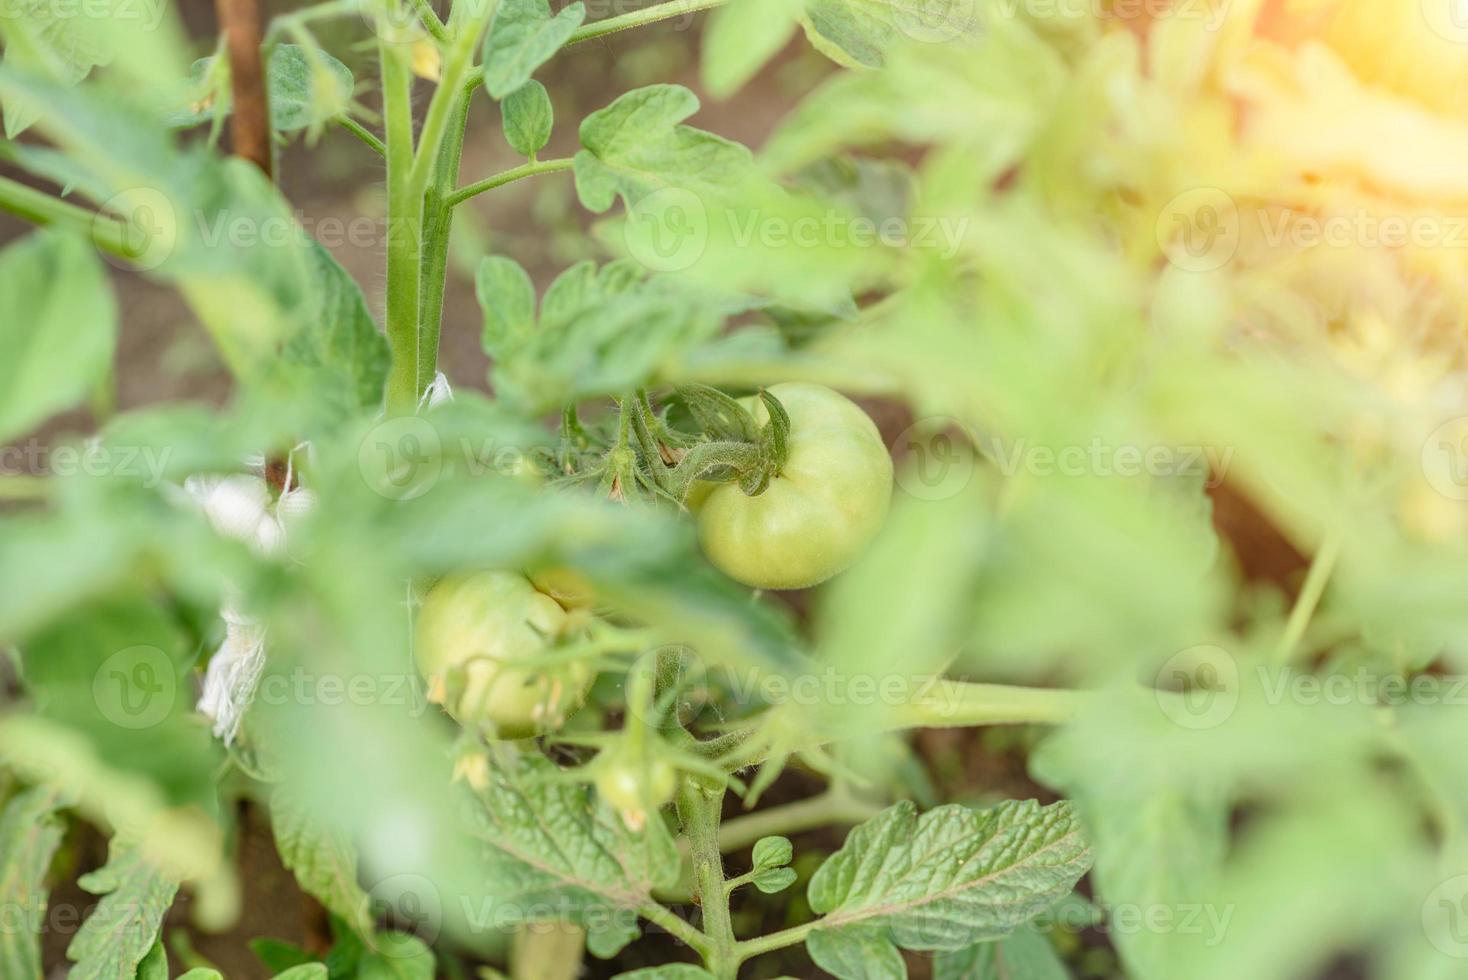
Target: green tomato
{"points": [[821, 511], [470, 628], [634, 788]]}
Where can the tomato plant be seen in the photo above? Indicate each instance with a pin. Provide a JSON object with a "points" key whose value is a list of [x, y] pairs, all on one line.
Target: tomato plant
{"points": [[463, 516]]}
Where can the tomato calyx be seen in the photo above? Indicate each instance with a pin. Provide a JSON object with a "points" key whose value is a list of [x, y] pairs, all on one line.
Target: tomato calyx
{"points": [[736, 449]]}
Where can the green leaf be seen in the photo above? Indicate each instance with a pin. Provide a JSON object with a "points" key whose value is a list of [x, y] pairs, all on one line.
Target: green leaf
{"points": [[554, 853], [940, 881], [60, 328], [305, 971], [40, 38], [507, 297], [857, 953], [344, 357], [1023, 955], [741, 37], [772, 852], [527, 117], [668, 971], [397, 957], [277, 955], [155, 964], [123, 927], [603, 333], [1160, 831], [325, 865], [606, 938], [523, 37], [637, 145], [854, 33], [307, 87], [30, 832], [202, 973], [774, 880], [215, 228]]}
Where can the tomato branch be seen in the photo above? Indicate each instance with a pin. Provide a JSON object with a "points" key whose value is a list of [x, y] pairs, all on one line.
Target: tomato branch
{"points": [[363, 133], [641, 18], [506, 177], [431, 21], [41, 208], [836, 805]]}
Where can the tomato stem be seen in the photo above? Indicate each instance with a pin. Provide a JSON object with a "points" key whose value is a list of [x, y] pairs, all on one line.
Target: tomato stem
{"points": [[506, 177], [362, 133], [837, 805], [641, 18], [41, 208], [698, 809], [438, 217], [1311, 592], [404, 230]]}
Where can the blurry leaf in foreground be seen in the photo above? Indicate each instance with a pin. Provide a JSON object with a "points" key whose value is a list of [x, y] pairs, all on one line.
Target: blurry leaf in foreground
{"points": [[59, 327]]}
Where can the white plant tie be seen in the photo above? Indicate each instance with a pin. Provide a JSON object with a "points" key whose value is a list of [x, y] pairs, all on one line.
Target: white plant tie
{"points": [[239, 506], [437, 393]]}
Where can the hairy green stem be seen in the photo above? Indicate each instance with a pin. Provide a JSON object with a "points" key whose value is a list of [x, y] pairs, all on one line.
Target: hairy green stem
{"points": [[698, 809], [404, 230], [411, 252], [834, 806], [959, 704], [438, 218], [457, 66], [675, 927], [362, 133], [775, 940], [1311, 592], [41, 208], [641, 18], [430, 20], [505, 177]]}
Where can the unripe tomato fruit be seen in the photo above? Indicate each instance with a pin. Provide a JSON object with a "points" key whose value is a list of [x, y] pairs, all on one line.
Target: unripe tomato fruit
{"points": [[635, 788], [471, 626], [822, 509]]}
